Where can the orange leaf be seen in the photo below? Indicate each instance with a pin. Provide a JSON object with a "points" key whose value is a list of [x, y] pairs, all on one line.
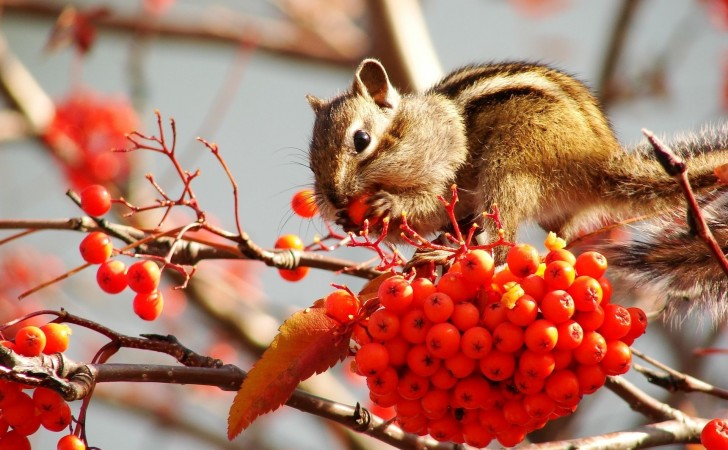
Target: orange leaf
{"points": [[308, 342]]}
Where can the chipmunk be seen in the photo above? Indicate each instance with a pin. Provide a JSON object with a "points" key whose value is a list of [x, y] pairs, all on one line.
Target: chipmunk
{"points": [[525, 137]]}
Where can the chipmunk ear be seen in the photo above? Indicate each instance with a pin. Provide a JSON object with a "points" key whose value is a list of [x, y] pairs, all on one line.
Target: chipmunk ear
{"points": [[371, 80], [316, 103]]}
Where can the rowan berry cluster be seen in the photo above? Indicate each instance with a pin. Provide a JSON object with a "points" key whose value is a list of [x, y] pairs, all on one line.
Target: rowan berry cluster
{"points": [[484, 354], [24, 409], [112, 275]]}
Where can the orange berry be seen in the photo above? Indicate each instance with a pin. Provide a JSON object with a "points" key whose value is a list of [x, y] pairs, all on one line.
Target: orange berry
{"points": [[395, 293], [421, 289], [586, 292], [30, 341], [592, 264], [540, 336], [303, 203], [592, 349], [497, 365], [618, 358], [13, 440], [460, 366], [536, 364], [341, 305], [383, 324], [562, 386], [471, 392], [414, 326], [524, 311], [559, 275], [57, 337], [570, 335], [372, 358], [143, 276], [477, 267], [454, 284], [557, 306], [438, 307], [70, 442], [412, 386], [289, 241], [560, 255], [508, 337], [96, 247], [111, 276], [591, 377], [617, 322], [421, 362], [523, 260], [294, 275], [148, 306], [383, 382]]}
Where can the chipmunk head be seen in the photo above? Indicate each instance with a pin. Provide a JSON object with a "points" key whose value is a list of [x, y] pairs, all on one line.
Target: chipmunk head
{"points": [[371, 140], [348, 134]]}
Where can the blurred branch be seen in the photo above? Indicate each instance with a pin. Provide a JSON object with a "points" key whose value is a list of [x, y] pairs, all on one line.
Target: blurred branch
{"points": [[618, 39], [402, 41], [654, 435], [20, 86], [214, 24]]}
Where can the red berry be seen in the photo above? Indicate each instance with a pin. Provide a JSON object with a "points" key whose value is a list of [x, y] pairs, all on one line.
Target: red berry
{"points": [[443, 340], [95, 200], [70, 442], [715, 435], [477, 267], [13, 440], [111, 276], [294, 275], [618, 358], [453, 283], [617, 322], [465, 316], [303, 203], [557, 306], [438, 307], [143, 276], [30, 341], [96, 247], [592, 349], [291, 241], [341, 305], [148, 306], [541, 336], [476, 342], [372, 358], [383, 325], [395, 294]]}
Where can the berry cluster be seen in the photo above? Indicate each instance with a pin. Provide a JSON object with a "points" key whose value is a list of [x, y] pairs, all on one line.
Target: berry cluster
{"points": [[485, 354], [22, 411], [112, 275]]}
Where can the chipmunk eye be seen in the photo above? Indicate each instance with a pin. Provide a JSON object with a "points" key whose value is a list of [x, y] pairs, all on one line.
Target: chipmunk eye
{"points": [[361, 140]]}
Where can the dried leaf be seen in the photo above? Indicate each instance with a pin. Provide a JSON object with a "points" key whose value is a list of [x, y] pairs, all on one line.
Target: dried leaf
{"points": [[309, 342]]}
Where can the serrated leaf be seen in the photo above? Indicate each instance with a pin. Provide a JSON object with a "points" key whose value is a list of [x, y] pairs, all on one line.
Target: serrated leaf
{"points": [[309, 342]]}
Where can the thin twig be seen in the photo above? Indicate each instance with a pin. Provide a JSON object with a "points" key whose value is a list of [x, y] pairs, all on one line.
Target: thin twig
{"points": [[677, 168]]}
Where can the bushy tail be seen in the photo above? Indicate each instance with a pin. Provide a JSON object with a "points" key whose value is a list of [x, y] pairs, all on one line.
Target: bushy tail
{"points": [[660, 253]]}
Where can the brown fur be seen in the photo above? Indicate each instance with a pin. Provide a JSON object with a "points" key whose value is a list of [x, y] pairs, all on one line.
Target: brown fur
{"points": [[526, 137]]}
